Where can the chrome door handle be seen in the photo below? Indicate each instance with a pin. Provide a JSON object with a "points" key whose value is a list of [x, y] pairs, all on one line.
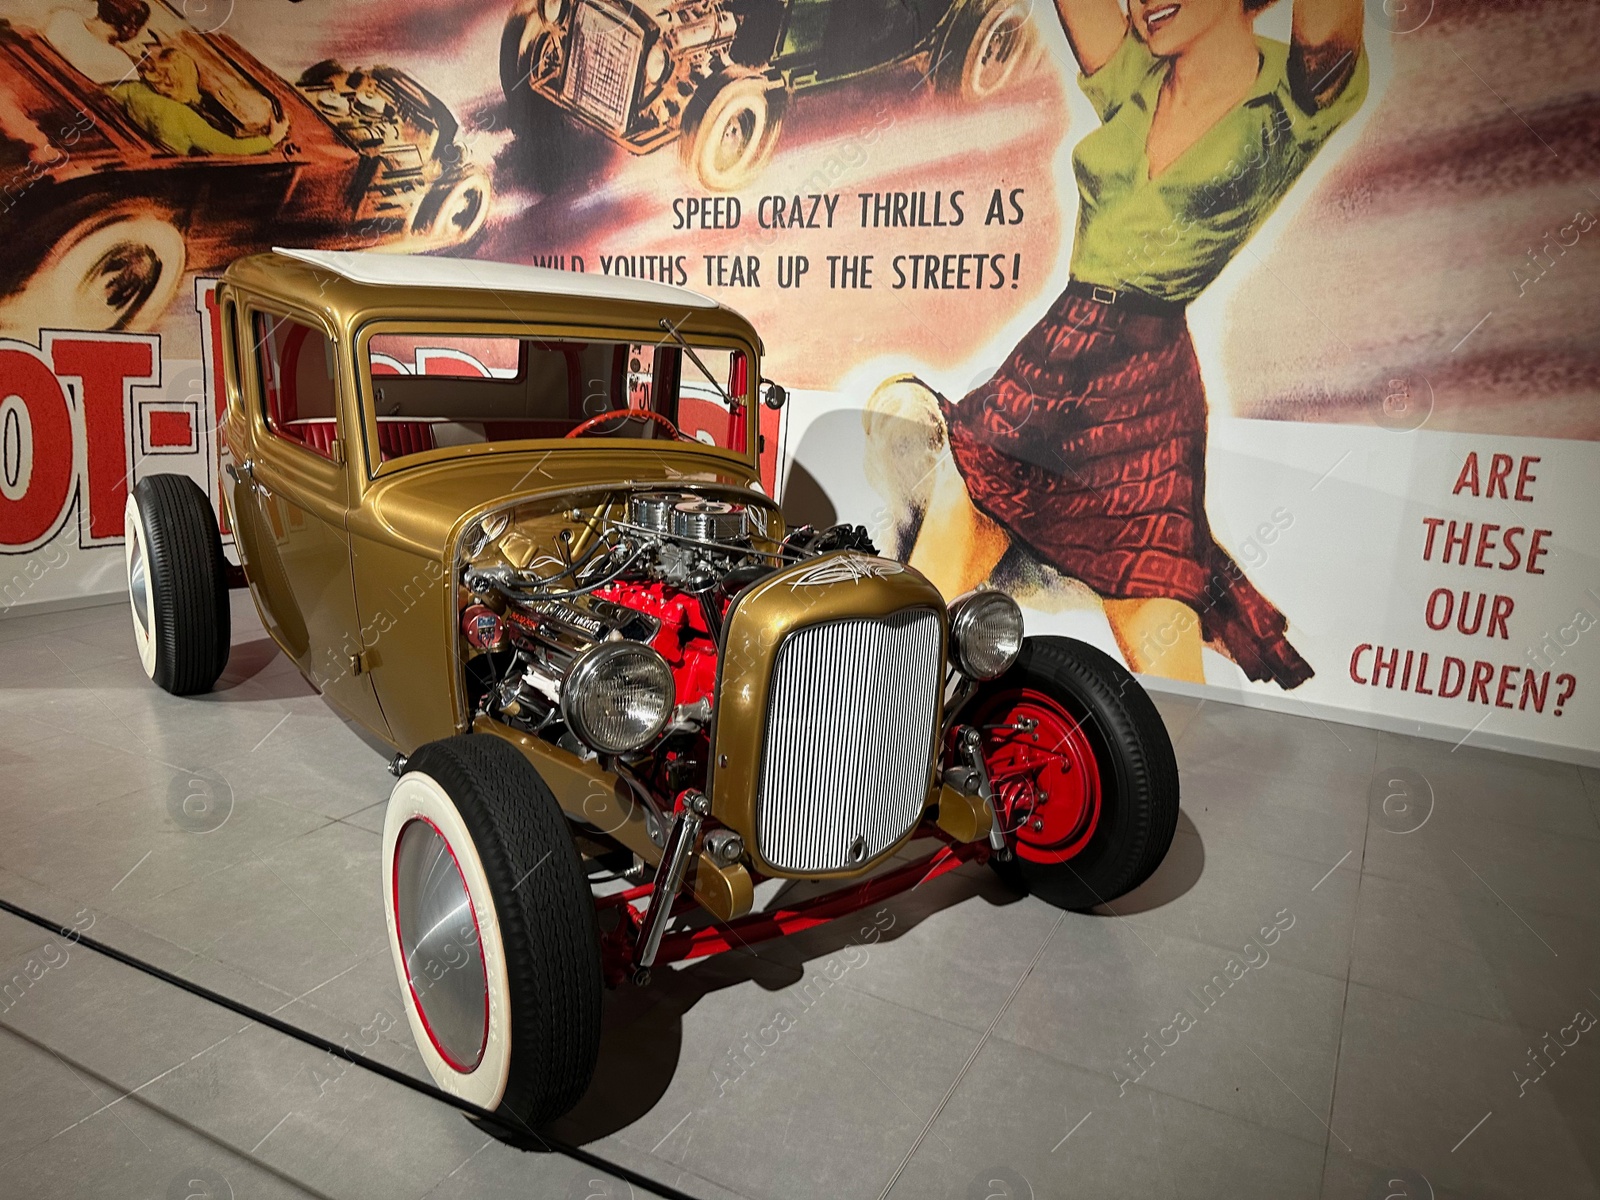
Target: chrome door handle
{"points": [[246, 467]]}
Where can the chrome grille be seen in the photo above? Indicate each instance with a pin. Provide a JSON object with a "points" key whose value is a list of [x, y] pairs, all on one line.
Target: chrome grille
{"points": [[605, 63], [849, 732]]}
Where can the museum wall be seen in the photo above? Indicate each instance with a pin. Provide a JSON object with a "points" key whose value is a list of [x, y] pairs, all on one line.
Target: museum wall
{"points": [[1353, 448]]}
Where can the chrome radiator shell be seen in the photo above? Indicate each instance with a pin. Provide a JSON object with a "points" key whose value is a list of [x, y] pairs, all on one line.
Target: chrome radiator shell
{"points": [[844, 773], [829, 700]]}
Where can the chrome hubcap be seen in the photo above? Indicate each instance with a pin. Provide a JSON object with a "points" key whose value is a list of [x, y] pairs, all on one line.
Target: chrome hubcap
{"points": [[138, 585], [440, 941]]}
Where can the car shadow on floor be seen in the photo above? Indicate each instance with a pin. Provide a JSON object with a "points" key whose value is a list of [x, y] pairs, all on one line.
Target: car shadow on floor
{"points": [[246, 660], [642, 1028], [1179, 871]]}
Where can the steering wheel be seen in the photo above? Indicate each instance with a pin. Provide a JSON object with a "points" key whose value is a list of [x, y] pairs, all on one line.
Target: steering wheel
{"points": [[625, 414]]}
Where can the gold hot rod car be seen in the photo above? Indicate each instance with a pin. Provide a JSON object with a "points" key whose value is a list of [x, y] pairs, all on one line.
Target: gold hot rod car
{"points": [[511, 521]]}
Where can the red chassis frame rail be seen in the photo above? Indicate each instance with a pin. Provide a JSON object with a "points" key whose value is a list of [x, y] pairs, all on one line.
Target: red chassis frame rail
{"points": [[790, 919]]}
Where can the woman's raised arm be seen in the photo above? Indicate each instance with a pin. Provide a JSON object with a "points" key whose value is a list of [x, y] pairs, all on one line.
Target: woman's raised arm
{"points": [[1095, 28], [1323, 49]]}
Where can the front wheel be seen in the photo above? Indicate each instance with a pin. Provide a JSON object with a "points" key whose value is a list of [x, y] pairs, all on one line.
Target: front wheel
{"points": [[116, 269], [555, 151], [492, 929], [455, 210], [1084, 778]]}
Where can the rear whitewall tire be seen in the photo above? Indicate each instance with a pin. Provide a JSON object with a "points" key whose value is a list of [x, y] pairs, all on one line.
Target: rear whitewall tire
{"points": [[141, 596], [177, 583], [990, 44], [420, 797]]}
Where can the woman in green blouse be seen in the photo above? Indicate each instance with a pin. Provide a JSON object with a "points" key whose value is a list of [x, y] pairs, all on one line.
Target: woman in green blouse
{"points": [[1088, 444]]}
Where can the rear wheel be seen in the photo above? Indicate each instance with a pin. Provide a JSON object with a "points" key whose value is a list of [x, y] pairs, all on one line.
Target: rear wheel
{"points": [[1083, 773], [492, 929], [177, 583], [730, 130], [989, 43]]}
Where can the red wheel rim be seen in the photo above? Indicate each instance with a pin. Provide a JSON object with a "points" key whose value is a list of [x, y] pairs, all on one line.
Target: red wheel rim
{"points": [[1044, 774]]}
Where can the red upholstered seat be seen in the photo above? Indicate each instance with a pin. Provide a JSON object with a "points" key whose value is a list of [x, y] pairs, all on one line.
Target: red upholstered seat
{"points": [[315, 433], [399, 438], [395, 438]]}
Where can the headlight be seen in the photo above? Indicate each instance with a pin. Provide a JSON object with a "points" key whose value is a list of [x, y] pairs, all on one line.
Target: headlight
{"points": [[553, 11], [618, 696], [986, 633], [655, 64]]}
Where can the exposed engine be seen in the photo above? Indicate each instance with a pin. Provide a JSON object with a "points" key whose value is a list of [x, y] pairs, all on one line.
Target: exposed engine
{"points": [[555, 643]]}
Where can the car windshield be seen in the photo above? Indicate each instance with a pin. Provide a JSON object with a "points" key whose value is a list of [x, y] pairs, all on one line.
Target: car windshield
{"points": [[437, 390]]}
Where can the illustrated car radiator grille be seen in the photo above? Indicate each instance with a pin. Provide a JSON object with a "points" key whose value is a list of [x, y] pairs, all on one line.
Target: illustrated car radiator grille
{"points": [[605, 57], [849, 733]]}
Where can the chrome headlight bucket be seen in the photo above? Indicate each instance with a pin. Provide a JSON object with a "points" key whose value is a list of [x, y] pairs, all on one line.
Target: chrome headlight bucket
{"points": [[618, 696], [985, 633]]}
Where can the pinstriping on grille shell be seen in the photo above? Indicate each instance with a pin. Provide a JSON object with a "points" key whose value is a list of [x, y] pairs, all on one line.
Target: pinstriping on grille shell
{"points": [[849, 725]]}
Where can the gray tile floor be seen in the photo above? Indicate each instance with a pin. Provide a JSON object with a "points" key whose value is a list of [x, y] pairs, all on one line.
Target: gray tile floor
{"points": [[1366, 970]]}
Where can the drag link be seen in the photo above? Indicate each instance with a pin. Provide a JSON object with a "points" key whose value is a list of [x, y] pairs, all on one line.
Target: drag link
{"points": [[681, 843]]}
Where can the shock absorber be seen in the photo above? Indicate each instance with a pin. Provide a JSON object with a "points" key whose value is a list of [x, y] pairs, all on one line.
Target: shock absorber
{"points": [[972, 744]]}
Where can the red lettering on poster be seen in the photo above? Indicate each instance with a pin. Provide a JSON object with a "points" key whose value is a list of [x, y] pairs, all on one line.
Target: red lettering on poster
{"points": [[35, 417], [171, 428], [1451, 612], [106, 367]]}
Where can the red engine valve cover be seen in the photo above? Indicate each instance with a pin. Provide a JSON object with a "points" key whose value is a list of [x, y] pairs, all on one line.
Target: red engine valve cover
{"points": [[684, 639]]}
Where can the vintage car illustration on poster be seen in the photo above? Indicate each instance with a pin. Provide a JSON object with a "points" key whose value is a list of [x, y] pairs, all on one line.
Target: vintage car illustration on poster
{"points": [[511, 521], [717, 75], [106, 219]]}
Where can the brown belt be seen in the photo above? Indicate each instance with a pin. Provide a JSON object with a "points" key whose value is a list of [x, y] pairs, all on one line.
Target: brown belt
{"points": [[1126, 299]]}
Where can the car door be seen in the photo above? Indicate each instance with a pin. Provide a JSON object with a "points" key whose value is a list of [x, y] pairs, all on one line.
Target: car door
{"points": [[290, 503]]}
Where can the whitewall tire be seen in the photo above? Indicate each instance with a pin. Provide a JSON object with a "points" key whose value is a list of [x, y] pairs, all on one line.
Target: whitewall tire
{"points": [[991, 43], [454, 963], [141, 600], [491, 930], [730, 130], [455, 212], [177, 583]]}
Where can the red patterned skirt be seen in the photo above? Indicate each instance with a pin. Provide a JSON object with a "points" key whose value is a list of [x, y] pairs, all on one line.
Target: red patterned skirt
{"points": [[1089, 447]]}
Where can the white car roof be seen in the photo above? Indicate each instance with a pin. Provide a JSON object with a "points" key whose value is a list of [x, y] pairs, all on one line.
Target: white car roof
{"points": [[419, 270]]}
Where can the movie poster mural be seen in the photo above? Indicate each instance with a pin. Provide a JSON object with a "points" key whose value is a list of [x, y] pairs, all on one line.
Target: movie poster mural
{"points": [[1253, 341]]}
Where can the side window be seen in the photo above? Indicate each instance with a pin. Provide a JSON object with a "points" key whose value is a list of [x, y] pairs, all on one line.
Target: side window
{"points": [[299, 384], [232, 376]]}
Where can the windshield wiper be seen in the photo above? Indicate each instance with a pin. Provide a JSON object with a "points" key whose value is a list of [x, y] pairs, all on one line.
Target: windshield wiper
{"points": [[704, 370]]}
